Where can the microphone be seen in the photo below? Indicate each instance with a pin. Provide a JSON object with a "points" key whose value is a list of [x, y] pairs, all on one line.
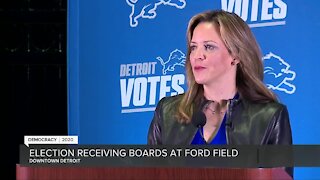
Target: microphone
{"points": [[199, 120], [229, 124]]}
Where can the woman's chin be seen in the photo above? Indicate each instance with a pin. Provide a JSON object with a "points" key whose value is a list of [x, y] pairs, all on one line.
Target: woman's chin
{"points": [[200, 81]]}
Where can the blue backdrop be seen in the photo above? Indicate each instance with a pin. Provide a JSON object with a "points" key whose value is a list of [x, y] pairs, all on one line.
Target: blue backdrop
{"points": [[124, 56]]}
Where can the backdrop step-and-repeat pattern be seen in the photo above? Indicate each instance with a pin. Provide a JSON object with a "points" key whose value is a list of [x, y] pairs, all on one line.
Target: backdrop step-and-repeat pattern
{"points": [[125, 55]]}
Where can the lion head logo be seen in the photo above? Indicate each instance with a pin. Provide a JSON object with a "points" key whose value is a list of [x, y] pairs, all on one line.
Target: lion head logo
{"points": [[176, 58], [277, 74], [147, 8]]}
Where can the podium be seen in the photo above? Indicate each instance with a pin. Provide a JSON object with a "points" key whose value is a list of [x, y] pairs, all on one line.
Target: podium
{"points": [[154, 173]]}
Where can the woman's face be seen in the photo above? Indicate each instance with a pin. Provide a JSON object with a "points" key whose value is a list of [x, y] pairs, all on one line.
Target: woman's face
{"points": [[209, 58]]}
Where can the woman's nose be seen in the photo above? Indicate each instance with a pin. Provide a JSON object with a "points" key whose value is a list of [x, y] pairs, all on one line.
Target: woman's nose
{"points": [[199, 54]]}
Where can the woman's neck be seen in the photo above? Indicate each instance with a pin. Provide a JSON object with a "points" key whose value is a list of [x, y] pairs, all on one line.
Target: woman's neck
{"points": [[219, 92]]}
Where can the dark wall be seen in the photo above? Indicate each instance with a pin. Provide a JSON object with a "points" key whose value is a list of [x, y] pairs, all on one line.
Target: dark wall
{"points": [[33, 45]]}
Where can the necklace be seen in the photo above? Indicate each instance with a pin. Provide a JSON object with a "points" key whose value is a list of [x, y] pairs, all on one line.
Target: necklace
{"points": [[217, 109], [214, 111]]}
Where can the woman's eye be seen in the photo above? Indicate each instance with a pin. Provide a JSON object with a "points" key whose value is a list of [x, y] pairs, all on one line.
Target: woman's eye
{"points": [[192, 48], [209, 47]]}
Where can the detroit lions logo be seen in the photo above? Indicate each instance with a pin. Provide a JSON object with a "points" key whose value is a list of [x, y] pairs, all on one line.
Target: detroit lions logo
{"points": [[176, 58], [278, 75], [147, 8]]}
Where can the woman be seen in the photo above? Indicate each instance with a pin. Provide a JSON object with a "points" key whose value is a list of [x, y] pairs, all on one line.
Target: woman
{"points": [[225, 83]]}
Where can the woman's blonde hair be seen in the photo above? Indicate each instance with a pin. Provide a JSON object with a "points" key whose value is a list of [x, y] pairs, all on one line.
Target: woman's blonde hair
{"points": [[242, 45]]}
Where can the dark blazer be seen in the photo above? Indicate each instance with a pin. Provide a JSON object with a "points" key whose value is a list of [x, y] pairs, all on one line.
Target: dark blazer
{"points": [[247, 123]]}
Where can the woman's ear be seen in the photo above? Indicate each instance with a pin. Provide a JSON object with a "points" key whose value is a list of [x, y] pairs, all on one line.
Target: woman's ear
{"points": [[235, 61]]}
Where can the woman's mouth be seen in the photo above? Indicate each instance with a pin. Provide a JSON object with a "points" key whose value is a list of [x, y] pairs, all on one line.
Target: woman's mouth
{"points": [[198, 68]]}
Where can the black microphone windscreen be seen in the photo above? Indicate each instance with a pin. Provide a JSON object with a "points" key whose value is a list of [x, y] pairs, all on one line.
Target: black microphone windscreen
{"points": [[199, 119]]}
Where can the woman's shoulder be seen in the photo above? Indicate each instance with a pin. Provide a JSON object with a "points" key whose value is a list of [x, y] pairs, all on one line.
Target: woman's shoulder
{"points": [[170, 101], [271, 104], [271, 107], [167, 107]]}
